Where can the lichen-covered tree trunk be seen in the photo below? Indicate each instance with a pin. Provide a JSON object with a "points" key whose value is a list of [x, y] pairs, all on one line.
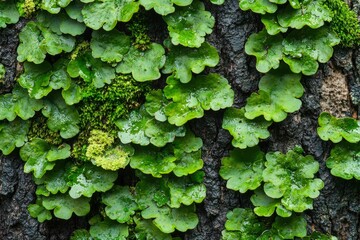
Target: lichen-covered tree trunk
{"points": [[334, 88]]}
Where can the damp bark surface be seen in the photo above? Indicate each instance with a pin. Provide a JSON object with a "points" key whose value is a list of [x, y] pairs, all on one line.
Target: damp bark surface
{"points": [[335, 88]]}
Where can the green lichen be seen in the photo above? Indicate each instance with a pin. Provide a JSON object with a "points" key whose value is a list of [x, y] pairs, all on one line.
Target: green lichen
{"points": [[39, 129], [98, 142], [138, 29], [2, 73], [100, 107], [81, 47], [28, 7], [102, 152], [344, 23]]}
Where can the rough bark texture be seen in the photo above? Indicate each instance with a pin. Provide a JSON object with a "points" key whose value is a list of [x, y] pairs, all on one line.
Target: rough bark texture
{"points": [[335, 88]]}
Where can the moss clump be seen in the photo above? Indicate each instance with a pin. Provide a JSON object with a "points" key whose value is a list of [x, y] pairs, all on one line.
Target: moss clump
{"points": [[2, 73], [139, 35], [101, 107], [344, 23], [81, 47], [39, 129], [102, 152], [28, 7]]}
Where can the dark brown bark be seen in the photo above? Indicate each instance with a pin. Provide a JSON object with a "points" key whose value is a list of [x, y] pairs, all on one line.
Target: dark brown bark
{"points": [[336, 210]]}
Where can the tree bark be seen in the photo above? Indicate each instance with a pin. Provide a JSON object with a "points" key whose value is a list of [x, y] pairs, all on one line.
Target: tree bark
{"points": [[335, 88]]}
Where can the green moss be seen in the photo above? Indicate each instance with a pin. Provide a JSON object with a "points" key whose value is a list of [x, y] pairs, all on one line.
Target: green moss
{"points": [[2, 73], [344, 23], [81, 47], [99, 141], [39, 129], [138, 29], [102, 152], [100, 107], [28, 7], [79, 147]]}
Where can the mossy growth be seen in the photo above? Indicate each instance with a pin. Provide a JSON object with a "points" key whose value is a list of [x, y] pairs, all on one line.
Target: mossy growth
{"points": [[39, 129], [28, 7], [100, 107], [104, 152], [139, 29], [2, 73], [344, 23]]}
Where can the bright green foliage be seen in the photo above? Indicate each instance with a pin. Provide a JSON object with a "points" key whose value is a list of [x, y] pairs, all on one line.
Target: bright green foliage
{"points": [[80, 234], [54, 6], [145, 229], [311, 13], [109, 46], [153, 195], [40, 156], [265, 206], [161, 133], [168, 219], [8, 13], [141, 128], [36, 79], [91, 69], [38, 211], [305, 47], [344, 161], [18, 103], [88, 179], [186, 190], [278, 95], [54, 180], [243, 169], [335, 129], [242, 224], [266, 48], [41, 79], [64, 206], [288, 228], [143, 65], [190, 100], [258, 6], [344, 22], [73, 10], [133, 128], [155, 104], [13, 134], [120, 204], [103, 153], [61, 23], [271, 24], [183, 61], [107, 13], [189, 25], [164, 7], [2, 72], [152, 191], [246, 132], [101, 107], [291, 178], [187, 163], [61, 117], [109, 230], [36, 41], [187, 151], [151, 160]]}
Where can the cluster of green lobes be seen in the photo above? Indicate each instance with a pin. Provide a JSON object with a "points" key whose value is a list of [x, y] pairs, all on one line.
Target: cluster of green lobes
{"points": [[296, 38], [84, 109]]}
